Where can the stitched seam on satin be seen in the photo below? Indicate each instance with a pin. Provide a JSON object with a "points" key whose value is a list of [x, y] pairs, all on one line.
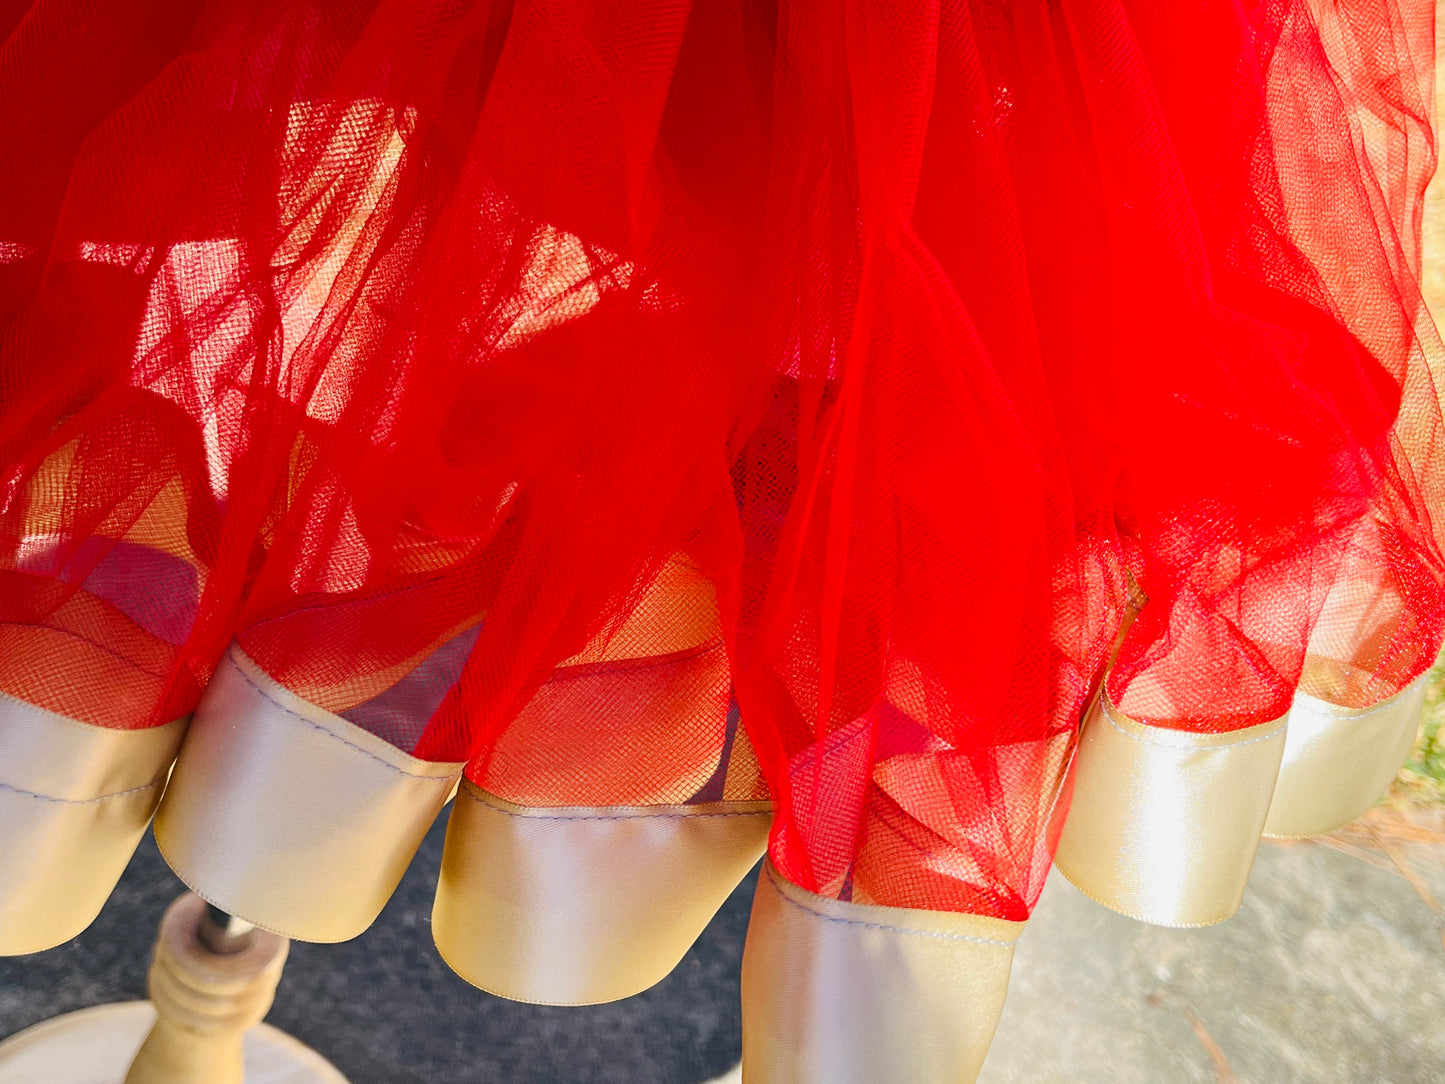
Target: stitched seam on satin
{"points": [[1184, 745], [337, 737], [1337, 712], [157, 781], [880, 925], [609, 817], [80, 725]]}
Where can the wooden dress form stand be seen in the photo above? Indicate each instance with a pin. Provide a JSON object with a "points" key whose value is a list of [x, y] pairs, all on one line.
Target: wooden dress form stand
{"points": [[212, 979]]}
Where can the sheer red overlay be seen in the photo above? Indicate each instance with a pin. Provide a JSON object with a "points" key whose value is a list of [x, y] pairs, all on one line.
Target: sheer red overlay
{"points": [[652, 402]]}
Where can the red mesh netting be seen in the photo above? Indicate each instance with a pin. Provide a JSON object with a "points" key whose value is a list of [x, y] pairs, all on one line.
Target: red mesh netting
{"points": [[550, 384], [1293, 504]]}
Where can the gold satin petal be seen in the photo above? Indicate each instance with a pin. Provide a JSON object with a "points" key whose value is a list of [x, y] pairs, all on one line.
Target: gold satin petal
{"points": [[1339, 760], [851, 993], [577, 906], [289, 817], [1164, 824], [74, 801], [678, 612]]}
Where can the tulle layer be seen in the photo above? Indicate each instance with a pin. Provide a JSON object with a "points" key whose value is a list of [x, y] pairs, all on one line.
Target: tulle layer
{"points": [[655, 402]]}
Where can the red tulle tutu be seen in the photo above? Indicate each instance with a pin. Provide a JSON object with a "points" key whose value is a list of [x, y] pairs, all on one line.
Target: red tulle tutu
{"points": [[913, 348]]}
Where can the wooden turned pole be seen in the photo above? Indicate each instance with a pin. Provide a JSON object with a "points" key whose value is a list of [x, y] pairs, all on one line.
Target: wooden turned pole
{"points": [[212, 979]]}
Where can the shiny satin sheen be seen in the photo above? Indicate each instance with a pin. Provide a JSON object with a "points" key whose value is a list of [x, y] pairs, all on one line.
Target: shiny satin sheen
{"points": [[289, 817], [1164, 824], [1339, 760], [852, 993], [74, 801], [576, 906]]}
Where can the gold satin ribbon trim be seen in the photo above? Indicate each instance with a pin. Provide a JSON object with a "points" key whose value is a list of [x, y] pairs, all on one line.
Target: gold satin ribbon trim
{"points": [[289, 817], [1339, 760], [74, 801], [677, 612], [852, 993], [1164, 824], [577, 906]]}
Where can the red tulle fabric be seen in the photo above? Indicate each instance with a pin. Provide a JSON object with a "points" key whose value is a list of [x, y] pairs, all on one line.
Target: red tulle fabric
{"points": [[652, 402]]}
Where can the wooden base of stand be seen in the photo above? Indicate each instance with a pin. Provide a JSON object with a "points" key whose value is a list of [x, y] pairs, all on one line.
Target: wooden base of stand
{"points": [[96, 1046], [209, 988], [212, 979]]}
